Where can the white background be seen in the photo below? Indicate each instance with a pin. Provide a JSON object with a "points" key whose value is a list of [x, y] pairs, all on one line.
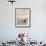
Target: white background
{"points": [[8, 31]]}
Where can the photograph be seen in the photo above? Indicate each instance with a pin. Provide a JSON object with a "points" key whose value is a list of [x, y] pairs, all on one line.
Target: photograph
{"points": [[22, 17]]}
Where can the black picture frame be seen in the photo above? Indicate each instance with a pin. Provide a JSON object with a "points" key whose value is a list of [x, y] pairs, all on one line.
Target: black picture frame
{"points": [[29, 18]]}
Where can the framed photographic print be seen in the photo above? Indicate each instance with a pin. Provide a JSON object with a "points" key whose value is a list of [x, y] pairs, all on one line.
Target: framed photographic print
{"points": [[23, 17]]}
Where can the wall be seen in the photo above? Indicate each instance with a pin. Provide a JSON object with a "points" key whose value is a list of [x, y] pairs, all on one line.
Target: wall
{"points": [[8, 31]]}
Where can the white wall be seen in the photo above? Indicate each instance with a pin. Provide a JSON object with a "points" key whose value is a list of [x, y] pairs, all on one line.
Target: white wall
{"points": [[8, 31]]}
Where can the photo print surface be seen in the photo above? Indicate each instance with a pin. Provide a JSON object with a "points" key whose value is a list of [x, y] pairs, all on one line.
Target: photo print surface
{"points": [[22, 17]]}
